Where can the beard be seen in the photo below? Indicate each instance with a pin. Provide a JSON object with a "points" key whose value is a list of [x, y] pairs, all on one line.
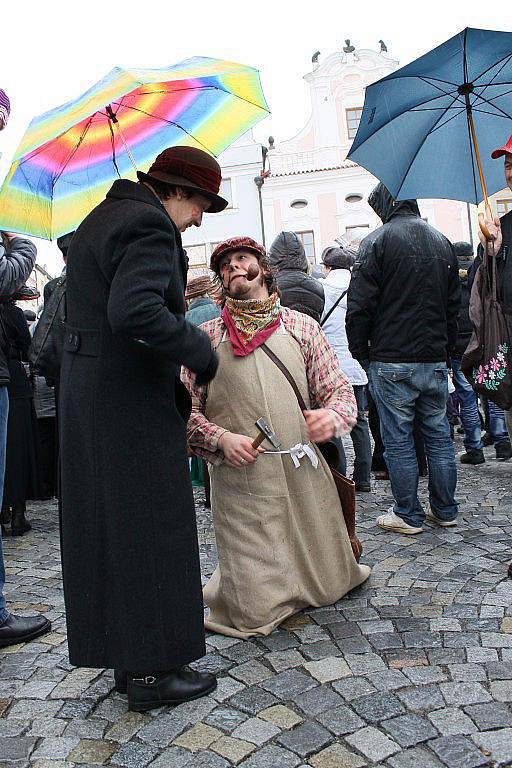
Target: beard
{"points": [[240, 288]]}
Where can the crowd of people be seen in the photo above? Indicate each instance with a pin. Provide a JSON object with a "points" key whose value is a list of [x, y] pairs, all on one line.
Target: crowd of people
{"points": [[241, 380]]}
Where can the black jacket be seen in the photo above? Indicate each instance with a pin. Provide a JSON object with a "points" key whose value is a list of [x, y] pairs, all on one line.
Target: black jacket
{"points": [[129, 541], [16, 264], [14, 325], [404, 294], [297, 290], [503, 263], [464, 325]]}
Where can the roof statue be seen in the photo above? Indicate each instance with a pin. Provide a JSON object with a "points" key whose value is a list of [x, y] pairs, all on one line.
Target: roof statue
{"points": [[347, 47], [383, 46]]}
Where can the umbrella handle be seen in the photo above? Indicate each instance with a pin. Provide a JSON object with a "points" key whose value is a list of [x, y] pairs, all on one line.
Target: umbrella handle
{"points": [[483, 226]]}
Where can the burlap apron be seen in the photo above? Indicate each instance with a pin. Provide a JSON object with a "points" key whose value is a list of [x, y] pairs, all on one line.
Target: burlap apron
{"points": [[281, 537]]}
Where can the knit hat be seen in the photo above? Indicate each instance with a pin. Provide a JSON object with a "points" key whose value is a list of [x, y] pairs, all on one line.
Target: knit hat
{"points": [[190, 168], [338, 258], [236, 244], [463, 251], [5, 108]]}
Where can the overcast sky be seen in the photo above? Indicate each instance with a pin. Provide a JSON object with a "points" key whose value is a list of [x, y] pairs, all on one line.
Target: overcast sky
{"points": [[51, 52]]}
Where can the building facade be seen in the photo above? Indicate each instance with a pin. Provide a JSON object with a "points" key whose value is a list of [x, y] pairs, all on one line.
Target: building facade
{"points": [[312, 189]]}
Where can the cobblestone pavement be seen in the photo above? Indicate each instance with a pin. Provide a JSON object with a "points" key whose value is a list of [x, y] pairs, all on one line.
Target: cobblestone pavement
{"points": [[411, 670]]}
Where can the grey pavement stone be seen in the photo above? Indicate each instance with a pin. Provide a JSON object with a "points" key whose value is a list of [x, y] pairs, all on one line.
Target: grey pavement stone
{"points": [[305, 739], [55, 748], [421, 699], [452, 722], [160, 731], [225, 718], [458, 752], [272, 757], [352, 687], [415, 758], [464, 693], [425, 675], [288, 684], [491, 715], [256, 731], [498, 743], [409, 730], [341, 720], [377, 707], [253, 699], [16, 748], [133, 755], [207, 759], [172, 757], [389, 680], [502, 690], [373, 743], [317, 700]]}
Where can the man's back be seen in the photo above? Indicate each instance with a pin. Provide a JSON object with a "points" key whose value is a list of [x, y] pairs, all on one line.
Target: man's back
{"points": [[404, 294]]}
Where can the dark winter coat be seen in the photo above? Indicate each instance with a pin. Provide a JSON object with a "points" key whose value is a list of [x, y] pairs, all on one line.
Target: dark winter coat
{"points": [[464, 325], [503, 263], [129, 541], [15, 328], [297, 290], [16, 264], [404, 294]]}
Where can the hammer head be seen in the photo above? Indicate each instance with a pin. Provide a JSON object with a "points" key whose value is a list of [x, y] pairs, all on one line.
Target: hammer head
{"points": [[266, 430]]}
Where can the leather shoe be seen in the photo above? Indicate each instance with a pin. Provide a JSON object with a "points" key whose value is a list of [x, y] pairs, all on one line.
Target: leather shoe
{"points": [[21, 629], [171, 688], [120, 680]]}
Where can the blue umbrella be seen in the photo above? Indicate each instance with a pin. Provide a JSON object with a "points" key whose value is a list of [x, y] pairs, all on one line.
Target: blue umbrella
{"points": [[428, 129]]}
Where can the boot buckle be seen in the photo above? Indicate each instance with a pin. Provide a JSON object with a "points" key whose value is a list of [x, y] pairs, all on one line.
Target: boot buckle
{"points": [[148, 680]]}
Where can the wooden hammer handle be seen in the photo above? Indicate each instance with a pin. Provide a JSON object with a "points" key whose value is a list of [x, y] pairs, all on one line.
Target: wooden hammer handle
{"points": [[258, 441]]}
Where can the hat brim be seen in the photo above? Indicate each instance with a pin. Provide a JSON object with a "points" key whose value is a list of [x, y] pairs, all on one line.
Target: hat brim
{"points": [[501, 151], [217, 203]]}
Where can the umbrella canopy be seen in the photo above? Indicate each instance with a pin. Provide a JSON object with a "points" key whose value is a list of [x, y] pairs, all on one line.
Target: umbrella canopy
{"points": [[415, 133], [69, 157]]}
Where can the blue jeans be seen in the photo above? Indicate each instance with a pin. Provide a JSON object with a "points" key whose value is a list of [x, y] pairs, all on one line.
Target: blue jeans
{"points": [[4, 413], [469, 415], [404, 392], [497, 423]]}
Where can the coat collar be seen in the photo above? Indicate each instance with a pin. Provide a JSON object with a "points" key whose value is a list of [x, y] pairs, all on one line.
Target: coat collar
{"points": [[124, 189]]}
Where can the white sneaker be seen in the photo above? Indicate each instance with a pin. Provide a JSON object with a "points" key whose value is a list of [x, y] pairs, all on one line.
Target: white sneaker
{"points": [[437, 520], [392, 522]]}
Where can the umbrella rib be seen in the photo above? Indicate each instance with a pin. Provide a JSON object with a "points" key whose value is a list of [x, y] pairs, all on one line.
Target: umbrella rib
{"points": [[487, 85], [490, 103], [169, 122], [416, 154], [71, 154], [485, 71], [452, 117], [207, 88]]}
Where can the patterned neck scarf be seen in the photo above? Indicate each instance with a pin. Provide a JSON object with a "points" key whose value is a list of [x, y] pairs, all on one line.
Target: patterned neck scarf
{"points": [[250, 322]]}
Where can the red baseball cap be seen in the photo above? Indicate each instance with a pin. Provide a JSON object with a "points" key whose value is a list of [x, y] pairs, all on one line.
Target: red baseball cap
{"points": [[506, 150], [235, 244]]}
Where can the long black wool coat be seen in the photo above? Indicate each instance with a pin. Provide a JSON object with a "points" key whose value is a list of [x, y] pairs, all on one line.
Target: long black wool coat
{"points": [[129, 540]]}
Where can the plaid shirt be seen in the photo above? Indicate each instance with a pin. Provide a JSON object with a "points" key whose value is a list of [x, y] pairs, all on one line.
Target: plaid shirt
{"points": [[327, 384]]}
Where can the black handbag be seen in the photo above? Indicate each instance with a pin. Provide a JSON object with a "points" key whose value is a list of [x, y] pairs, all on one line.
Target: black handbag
{"points": [[346, 488], [45, 354]]}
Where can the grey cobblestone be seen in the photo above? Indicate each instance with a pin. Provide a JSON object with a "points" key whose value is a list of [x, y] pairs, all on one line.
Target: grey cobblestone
{"points": [[411, 670]]}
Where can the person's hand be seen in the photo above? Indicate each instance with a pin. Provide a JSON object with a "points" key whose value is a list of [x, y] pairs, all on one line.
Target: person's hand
{"points": [[494, 228], [9, 235], [238, 450], [321, 424]]}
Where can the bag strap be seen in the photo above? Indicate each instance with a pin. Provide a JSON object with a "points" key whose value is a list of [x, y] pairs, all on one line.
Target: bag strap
{"points": [[324, 320], [284, 370]]}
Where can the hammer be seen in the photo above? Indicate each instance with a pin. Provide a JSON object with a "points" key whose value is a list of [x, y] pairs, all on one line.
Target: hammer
{"points": [[266, 433]]}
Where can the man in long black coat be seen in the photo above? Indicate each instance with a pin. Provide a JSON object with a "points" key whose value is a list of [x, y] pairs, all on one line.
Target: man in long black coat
{"points": [[129, 540]]}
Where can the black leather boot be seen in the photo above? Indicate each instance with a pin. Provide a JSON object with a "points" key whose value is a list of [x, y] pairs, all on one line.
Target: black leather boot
{"points": [[120, 680], [5, 519], [167, 688], [19, 523], [20, 629]]}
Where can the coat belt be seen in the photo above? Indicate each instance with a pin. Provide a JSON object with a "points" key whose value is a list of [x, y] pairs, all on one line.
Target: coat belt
{"points": [[82, 341]]}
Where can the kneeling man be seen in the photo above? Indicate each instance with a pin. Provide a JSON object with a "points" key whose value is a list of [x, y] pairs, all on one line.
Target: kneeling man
{"points": [[281, 538]]}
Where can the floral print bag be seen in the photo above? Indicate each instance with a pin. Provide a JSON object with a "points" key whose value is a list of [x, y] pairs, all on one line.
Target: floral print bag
{"points": [[487, 362]]}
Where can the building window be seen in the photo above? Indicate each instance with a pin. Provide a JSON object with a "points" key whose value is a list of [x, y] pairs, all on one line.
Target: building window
{"points": [[226, 191], [353, 118], [308, 241], [196, 255], [298, 204], [504, 206], [355, 197]]}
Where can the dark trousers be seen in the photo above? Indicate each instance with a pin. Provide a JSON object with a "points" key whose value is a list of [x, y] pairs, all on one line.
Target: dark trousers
{"points": [[360, 437], [47, 434]]}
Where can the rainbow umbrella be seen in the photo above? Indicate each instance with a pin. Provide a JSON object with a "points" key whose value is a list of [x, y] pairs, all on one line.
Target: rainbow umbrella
{"points": [[69, 156]]}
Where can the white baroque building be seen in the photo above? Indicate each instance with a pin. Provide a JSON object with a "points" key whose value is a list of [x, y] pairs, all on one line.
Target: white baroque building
{"points": [[312, 188]]}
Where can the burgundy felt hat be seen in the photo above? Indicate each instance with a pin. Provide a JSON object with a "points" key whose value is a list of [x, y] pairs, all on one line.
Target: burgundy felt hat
{"points": [[190, 168], [235, 244], [505, 150]]}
